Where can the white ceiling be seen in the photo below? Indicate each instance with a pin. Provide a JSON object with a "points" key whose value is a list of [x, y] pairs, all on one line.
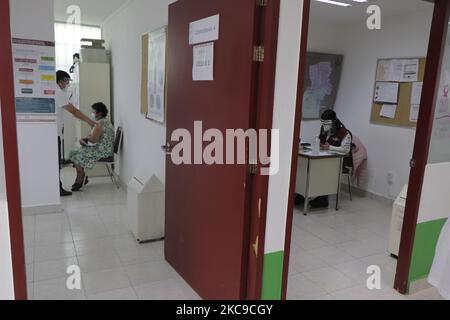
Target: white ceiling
{"points": [[93, 12], [332, 14]]}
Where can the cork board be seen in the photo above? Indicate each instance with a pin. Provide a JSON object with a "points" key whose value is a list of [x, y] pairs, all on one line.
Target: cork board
{"points": [[402, 117], [144, 73]]}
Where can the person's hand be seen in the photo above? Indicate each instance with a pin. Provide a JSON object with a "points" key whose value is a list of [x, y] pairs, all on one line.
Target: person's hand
{"points": [[325, 147]]}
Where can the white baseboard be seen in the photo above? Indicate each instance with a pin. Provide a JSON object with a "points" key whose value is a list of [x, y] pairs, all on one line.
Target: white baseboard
{"points": [[367, 194], [38, 210]]}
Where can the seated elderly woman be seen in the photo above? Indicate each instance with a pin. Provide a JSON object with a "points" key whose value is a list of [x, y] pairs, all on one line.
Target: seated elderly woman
{"points": [[98, 145]]}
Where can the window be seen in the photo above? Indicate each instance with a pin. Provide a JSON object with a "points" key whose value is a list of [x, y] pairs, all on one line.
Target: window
{"points": [[67, 38]]}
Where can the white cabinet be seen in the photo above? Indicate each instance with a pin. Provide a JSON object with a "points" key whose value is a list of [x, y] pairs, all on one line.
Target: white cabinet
{"points": [[91, 84], [398, 214]]}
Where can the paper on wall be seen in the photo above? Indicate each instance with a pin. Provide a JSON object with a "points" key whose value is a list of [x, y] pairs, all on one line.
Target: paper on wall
{"points": [[388, 111], [386, 92], [398, 70], [203, 65], [410, 70], [414, 114], [416, 93]]}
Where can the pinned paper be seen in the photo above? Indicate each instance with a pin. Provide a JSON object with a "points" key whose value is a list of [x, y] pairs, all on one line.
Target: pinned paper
{"points": [[388, 111]]}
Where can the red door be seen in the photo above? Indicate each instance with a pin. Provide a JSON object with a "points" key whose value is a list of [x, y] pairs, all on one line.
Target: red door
{"points": [[207, 207]]}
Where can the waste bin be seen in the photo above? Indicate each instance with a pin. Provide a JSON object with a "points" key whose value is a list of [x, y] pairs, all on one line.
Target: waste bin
{"points": [[146, 208]]}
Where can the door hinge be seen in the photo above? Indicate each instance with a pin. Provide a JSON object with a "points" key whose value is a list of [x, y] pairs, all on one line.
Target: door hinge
{"points": [[412, 163], [253, 169], [261, 3], [258, 54]]}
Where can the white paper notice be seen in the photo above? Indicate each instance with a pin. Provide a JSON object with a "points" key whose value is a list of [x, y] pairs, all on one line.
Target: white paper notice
{"points": [[410, 70], [416, 93], [384, 70], [203, 68], [388, 111], [414, 114], [204, 30], [386, 92]]}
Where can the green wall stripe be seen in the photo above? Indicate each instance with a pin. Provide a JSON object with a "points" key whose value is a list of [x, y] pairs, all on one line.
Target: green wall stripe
{"points": [[273, 276], [425, 242]]}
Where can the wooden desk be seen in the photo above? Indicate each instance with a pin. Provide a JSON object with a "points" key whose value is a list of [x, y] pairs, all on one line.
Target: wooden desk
{"points": [[319, 175]]}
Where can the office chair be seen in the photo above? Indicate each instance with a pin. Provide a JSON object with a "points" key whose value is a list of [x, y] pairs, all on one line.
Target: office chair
{"points": [[348, 171]]}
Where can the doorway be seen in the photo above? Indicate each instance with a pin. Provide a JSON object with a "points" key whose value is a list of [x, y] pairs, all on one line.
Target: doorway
{"points": [[330, 229]]}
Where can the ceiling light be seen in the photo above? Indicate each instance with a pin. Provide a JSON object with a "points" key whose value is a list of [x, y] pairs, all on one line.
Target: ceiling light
{"points": [[336, 3]]}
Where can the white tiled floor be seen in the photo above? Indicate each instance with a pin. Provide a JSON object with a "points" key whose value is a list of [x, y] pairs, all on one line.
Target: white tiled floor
{"points": [[331, 251], [91, 233]]}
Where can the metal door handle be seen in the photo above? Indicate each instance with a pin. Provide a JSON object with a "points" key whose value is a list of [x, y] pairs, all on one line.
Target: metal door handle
{"points": [[167, 149]]}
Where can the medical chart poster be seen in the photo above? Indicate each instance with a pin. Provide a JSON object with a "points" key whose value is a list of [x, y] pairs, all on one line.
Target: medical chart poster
{"points": [[156, 82], [34, 77]]}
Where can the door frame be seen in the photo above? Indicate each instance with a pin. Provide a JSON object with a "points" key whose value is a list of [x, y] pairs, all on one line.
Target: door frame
{"points": [[436, 48], [262, 116], [423, 137], [11, 155]]}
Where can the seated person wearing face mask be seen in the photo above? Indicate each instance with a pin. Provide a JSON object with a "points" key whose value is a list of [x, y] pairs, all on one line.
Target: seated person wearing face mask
{"points": [[334, 137], [98, 145]]}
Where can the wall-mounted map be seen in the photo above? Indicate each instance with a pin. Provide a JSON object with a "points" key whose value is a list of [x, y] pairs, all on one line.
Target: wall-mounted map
{"points": [[322, 77]]}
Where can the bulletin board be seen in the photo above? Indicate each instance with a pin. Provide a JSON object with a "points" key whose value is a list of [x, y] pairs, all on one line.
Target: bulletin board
{"points": [[403, 112], [153, 81]]}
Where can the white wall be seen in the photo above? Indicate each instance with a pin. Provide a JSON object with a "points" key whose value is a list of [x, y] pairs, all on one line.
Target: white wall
{"points": [[142, 138], [6, 273], [283, 119], [38, 152], [390, 148]]}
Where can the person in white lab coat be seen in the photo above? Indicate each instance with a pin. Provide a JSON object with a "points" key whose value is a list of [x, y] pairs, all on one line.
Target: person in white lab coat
{"points": [[440, 272], [63, 103]]}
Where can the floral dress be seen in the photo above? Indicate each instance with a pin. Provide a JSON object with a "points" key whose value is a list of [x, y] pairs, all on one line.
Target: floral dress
{"points": [[87, 157]]}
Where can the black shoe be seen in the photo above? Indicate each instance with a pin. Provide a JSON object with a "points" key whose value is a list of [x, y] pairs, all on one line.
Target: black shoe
{"points": [[64, 193], [86, 181], [319, 203], [77, 187]]}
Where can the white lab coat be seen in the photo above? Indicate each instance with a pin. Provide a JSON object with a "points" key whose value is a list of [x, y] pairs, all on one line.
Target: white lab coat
{"points": [[440, 272]]}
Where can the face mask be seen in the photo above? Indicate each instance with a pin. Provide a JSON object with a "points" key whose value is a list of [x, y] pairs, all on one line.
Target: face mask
{"points": [[94, 116], [327, 126]]}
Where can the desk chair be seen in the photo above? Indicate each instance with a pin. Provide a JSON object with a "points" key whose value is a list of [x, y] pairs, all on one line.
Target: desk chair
{"points": [[348, 171]]}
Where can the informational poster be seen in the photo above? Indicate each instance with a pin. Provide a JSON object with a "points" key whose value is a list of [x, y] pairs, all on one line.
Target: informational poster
{"points": [[204, 30], [203, 65], [34, 78], [386, 92], [156, 82]]}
